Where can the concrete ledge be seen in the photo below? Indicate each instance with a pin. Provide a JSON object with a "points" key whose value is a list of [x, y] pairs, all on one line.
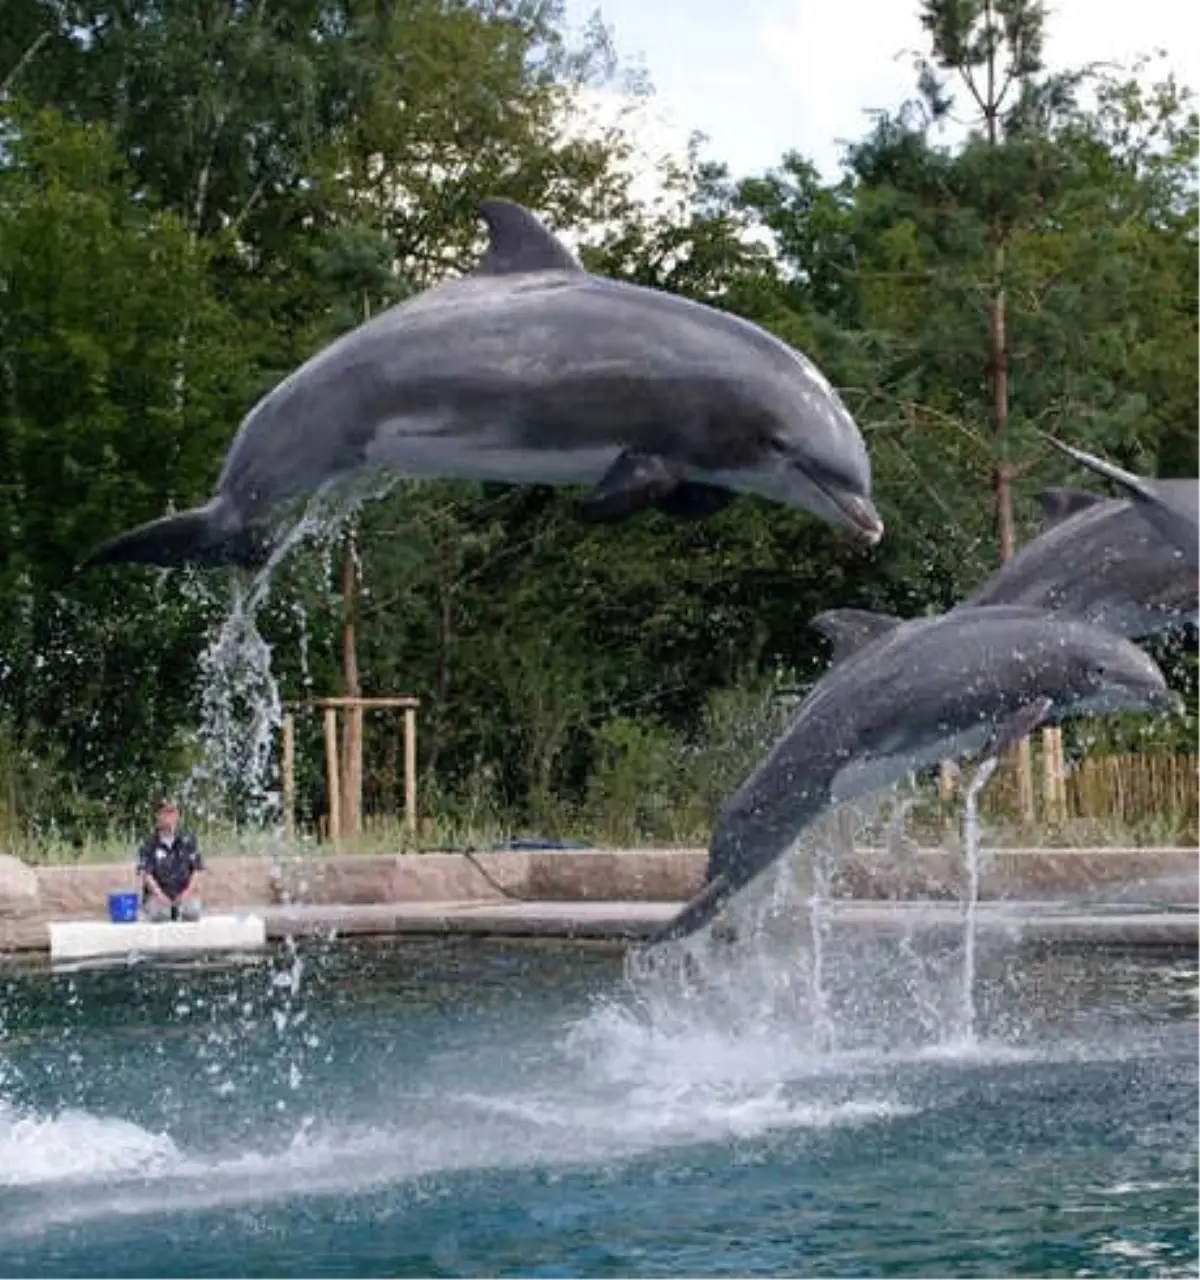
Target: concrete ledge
{"points": [[509, 919], [77, 939], [629, 921], [546, 890], [625, 875], [24, 935], [637, 920]]}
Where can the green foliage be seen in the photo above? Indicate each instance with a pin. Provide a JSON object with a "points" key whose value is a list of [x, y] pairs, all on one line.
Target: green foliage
{"points": [[194, 198]]}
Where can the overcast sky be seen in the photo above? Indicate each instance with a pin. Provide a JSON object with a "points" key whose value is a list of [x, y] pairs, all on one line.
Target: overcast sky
{"points": [[761, 77]]}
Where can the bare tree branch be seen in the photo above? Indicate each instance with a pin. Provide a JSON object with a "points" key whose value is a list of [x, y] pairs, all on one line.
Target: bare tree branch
{"points": [[22, 62]]}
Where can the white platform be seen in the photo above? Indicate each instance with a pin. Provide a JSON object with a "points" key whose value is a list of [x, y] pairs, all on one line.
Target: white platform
{"points": [[74, 939]]}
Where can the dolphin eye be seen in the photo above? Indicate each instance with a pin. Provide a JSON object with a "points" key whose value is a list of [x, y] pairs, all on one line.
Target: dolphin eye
{"points": [[769, 442]]}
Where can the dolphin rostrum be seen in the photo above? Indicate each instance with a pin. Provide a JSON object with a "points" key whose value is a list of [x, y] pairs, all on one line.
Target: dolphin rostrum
{"points": [[905, 694], [529, 370], [1098, 560], [1169, 505]]}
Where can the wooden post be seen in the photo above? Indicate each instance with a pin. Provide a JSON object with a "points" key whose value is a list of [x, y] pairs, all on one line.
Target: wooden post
{"points": [[288, 766], [352, 766], [331, 773], [410, 768], [356, 771], [343, 784], [1024, 765], [1054, 783]]}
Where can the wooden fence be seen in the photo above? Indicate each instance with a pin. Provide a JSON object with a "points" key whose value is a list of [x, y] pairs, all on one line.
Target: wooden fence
{"points": [[1125, 789]]}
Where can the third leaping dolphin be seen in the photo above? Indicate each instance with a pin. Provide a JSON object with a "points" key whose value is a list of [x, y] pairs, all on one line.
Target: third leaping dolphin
{"points": [[1098, 560], [905, 694], [530, 370]]}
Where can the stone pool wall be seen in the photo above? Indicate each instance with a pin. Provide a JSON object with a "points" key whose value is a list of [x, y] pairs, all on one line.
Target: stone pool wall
{"points": [[1163, 876]]}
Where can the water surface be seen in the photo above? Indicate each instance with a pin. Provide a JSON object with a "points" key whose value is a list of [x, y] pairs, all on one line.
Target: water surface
{"points": [[468, 1108]]}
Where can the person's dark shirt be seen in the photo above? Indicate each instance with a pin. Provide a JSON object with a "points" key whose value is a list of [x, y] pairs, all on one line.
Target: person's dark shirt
{"points": [[172, 862]]}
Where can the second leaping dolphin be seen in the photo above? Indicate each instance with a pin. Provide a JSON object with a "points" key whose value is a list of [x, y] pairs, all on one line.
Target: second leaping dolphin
{"points": [[904, 694], [530, 370], [1099, 560]]}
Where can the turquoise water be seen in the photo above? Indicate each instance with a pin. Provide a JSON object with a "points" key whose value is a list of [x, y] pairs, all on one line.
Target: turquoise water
{"points": [[464, 1109]]}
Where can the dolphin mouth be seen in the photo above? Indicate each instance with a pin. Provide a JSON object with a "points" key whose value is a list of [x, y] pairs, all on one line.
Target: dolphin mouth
{"points": [[1167, 701], [858, 512]]}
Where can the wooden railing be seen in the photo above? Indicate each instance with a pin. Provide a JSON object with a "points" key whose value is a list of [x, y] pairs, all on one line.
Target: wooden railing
{"points": [[343, 771]]}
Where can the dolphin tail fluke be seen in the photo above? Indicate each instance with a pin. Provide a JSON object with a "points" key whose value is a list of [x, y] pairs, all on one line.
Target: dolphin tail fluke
{"points": [[200, 537], [1101, 466], [698, 912]]}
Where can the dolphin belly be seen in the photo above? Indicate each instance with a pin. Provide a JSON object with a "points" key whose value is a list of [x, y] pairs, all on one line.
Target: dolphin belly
{"points": [[415, 448], [863, 775]]}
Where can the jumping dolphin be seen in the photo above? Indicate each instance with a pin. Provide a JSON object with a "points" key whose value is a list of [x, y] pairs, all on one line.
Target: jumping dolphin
{"points": [[904, 694], [1098, 560], [531, 371], [1169, 505]]}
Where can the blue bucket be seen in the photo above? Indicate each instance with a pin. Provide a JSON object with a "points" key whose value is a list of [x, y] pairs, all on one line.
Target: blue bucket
{"points": [[122, 907]]}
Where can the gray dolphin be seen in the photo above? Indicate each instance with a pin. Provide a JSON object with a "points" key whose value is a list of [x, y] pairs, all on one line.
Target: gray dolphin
{"points": [[1098, 560], [904, 694], [1169, 505], [531, 371]]}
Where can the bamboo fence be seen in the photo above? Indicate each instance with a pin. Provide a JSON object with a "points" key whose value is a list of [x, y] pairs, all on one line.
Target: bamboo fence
{"points": [[1123, 789]]}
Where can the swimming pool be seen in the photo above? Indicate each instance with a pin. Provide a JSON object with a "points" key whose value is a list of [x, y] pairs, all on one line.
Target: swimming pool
{"points": [[476, 1108]]}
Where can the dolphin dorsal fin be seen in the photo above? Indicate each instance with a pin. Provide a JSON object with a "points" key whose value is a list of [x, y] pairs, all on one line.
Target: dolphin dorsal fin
{"points": [[852, 629], [517, 243], [1058, 504]]}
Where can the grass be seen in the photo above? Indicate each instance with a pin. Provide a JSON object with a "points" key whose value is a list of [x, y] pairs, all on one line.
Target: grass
{"points": [[927, 826], [650, 787]]}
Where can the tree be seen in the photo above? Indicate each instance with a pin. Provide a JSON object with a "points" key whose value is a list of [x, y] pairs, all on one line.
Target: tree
{"points": [[358, 264], [995, 49], [93, 435]]}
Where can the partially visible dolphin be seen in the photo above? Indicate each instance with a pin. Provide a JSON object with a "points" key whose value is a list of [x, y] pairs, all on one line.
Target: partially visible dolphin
{"points": [[1169, 505], [905, 694], [531, 371], [1098, 560]]}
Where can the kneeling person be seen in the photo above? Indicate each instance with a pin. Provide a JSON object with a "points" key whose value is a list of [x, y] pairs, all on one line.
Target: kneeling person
{"points": [[169, 863]]}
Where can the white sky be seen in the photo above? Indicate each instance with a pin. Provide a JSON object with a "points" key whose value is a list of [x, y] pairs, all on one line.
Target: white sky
{"points": [[761, 77]]}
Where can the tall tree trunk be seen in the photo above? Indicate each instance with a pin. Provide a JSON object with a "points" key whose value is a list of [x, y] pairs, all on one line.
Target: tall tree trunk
{"points": [[352, 725], [998, 368], [1022, 757], [998, 361], [352, 688], [446, 639]]}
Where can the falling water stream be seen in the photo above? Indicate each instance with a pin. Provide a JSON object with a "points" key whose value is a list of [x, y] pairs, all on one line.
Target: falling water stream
{"points": [[818, 908], [241, 709], [971, 852]]}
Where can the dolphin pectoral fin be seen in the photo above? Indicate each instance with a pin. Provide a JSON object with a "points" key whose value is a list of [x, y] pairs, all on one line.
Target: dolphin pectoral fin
{"points": [[1058, 504], [635, 481], [693, 500], [1019, 725], [696, 914], [518, 243], [850, 630]]}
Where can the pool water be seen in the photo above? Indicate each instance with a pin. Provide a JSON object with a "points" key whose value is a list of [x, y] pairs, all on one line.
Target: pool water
{"points": [[468, 1108]]}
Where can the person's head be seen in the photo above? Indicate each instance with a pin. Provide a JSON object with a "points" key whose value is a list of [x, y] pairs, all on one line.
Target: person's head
{"points": [[166, 817]]}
